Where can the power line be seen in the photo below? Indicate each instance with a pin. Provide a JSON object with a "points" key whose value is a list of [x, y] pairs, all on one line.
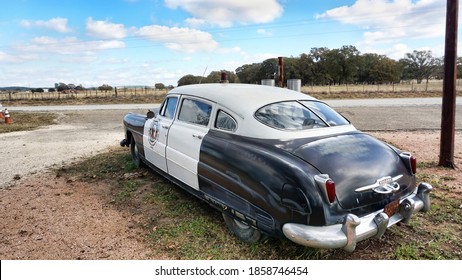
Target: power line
{"points": [[161, 40]]}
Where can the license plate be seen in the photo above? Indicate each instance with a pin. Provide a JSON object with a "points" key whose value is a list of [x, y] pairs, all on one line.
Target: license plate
{"points": [[391, 208]]}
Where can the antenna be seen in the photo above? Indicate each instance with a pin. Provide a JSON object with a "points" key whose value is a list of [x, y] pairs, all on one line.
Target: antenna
{"points": [[200, 81]]}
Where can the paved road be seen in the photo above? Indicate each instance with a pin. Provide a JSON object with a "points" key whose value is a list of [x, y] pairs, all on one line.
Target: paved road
{"points": [[365, 114]]}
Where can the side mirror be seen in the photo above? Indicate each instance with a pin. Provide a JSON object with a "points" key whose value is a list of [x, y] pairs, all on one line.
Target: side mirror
{"points": [[150, 114]]}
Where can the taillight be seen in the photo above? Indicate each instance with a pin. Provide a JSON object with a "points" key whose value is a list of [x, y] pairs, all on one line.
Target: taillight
{"points": [[330, 188], [413, 162], [410, 161]]}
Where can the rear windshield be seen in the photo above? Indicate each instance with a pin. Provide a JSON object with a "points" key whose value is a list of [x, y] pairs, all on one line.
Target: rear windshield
{"points": [[299, 115]]}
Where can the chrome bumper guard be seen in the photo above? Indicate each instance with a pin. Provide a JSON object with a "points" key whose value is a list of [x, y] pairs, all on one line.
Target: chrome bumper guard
{"points": [[355, 229]]}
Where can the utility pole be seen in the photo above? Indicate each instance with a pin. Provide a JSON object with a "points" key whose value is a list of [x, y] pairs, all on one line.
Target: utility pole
{"points": [[448, 116]]}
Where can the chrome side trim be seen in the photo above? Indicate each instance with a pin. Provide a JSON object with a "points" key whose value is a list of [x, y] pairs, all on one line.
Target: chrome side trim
{"points": [[355, 229]]}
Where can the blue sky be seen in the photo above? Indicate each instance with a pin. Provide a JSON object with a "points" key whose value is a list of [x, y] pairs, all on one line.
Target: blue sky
{"points": [[143, 42]]}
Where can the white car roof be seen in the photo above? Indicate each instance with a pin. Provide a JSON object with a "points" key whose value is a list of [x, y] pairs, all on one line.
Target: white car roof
{"points": [[243, 99], [246, 99]]}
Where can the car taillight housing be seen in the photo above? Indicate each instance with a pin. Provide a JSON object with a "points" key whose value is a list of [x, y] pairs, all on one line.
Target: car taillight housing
{"points": [[411, 162], [327, 186]]}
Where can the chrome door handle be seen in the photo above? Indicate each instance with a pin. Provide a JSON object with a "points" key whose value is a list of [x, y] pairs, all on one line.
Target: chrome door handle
{"points": [[197, 136]]}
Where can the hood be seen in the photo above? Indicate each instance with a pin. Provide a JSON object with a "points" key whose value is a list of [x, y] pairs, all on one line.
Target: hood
{"points": [[354, 161]]}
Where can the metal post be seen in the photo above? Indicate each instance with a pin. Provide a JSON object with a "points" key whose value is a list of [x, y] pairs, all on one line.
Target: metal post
{"points": [[281, 71], [449, 87]]}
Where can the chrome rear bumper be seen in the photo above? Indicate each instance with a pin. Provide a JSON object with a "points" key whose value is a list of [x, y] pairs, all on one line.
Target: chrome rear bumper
{"points": [[355, 229]]}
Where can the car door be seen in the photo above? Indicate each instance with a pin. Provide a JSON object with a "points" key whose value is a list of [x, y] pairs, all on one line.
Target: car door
{"points": [[185, 139], [156, 132]]}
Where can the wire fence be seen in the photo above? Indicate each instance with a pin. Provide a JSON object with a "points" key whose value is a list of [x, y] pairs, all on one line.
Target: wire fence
{"points": [[412, 86], [122, 92]]}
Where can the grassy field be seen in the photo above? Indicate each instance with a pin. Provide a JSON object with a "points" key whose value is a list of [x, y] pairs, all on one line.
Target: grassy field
{"points": [[181, 226]]}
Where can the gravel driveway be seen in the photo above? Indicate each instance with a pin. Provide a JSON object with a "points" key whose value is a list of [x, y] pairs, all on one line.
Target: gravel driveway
{"points": [[77, 134]]}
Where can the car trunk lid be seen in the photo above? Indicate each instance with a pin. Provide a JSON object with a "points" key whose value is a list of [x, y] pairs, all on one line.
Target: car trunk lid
{"points": [[363, 168]]}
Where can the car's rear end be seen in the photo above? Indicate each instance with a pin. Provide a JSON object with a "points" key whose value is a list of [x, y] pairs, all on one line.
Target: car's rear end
{"points": [[367, 186]]}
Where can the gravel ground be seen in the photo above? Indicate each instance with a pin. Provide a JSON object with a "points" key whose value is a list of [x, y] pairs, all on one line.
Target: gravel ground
{"points": [[77, 135]]}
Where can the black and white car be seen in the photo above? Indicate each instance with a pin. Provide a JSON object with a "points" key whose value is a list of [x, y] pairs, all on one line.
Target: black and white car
{"points": [[277, 162]]}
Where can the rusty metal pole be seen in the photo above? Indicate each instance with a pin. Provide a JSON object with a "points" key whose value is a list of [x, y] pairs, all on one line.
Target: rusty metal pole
{"points": [[281, 71], [448, 116]]}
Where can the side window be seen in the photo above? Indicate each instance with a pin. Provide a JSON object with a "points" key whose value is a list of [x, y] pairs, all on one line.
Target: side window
{"points": [[194, 111], [225, 122], [169, 107]]}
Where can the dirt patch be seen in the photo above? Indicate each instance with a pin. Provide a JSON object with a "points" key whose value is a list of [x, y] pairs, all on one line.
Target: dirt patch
{"points": [[47, 217], [425, 145]]}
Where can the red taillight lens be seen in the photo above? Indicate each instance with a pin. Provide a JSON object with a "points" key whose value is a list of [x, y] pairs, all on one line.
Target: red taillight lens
{"points": [[330, 187], [413, 161]]}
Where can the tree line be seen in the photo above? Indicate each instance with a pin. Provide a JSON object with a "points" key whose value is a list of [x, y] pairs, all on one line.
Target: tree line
{"points": [[345, 65]]}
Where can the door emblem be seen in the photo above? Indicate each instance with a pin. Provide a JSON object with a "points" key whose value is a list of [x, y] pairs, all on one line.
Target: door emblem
{"points": [[154, 132]]}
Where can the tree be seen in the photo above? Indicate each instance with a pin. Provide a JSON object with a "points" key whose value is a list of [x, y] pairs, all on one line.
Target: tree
{"points": [[320, 73], [159, 86], [247, 73], [374, 68], [306, 66], [105, 88], [189, 80], [79, 87], [37, 90], [419, 65], [61, 87]]}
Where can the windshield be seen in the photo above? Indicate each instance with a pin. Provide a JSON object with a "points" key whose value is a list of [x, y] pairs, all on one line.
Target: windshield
{"points": [[299, 115]]}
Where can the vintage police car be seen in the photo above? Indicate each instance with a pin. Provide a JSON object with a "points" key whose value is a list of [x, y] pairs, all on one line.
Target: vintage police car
{"points": [[277, 162]]}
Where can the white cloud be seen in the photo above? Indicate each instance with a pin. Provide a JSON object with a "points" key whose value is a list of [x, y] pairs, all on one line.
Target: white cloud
{"points": [[179, 39], [105, 30], [225, 12], [265, 32], [69, 45], [386, 21], [56, 24], [9, 58]]}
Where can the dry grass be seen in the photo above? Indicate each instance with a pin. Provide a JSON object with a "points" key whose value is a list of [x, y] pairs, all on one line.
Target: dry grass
{"points": [[27, 121]]}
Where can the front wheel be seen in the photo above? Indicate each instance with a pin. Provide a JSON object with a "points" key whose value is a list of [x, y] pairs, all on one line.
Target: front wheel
{"points": [[243, 231], [136, 158]]}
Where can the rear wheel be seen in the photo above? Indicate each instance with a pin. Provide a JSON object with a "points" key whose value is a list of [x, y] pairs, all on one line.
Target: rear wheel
{"points": [[136, 158], [243, 231]]}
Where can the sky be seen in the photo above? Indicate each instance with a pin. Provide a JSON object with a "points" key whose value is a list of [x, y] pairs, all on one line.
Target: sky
{"points": [[144, 42]]}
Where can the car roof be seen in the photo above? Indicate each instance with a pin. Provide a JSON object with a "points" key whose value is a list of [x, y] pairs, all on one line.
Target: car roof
{"points": [[245, 99], [241, 98]]}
